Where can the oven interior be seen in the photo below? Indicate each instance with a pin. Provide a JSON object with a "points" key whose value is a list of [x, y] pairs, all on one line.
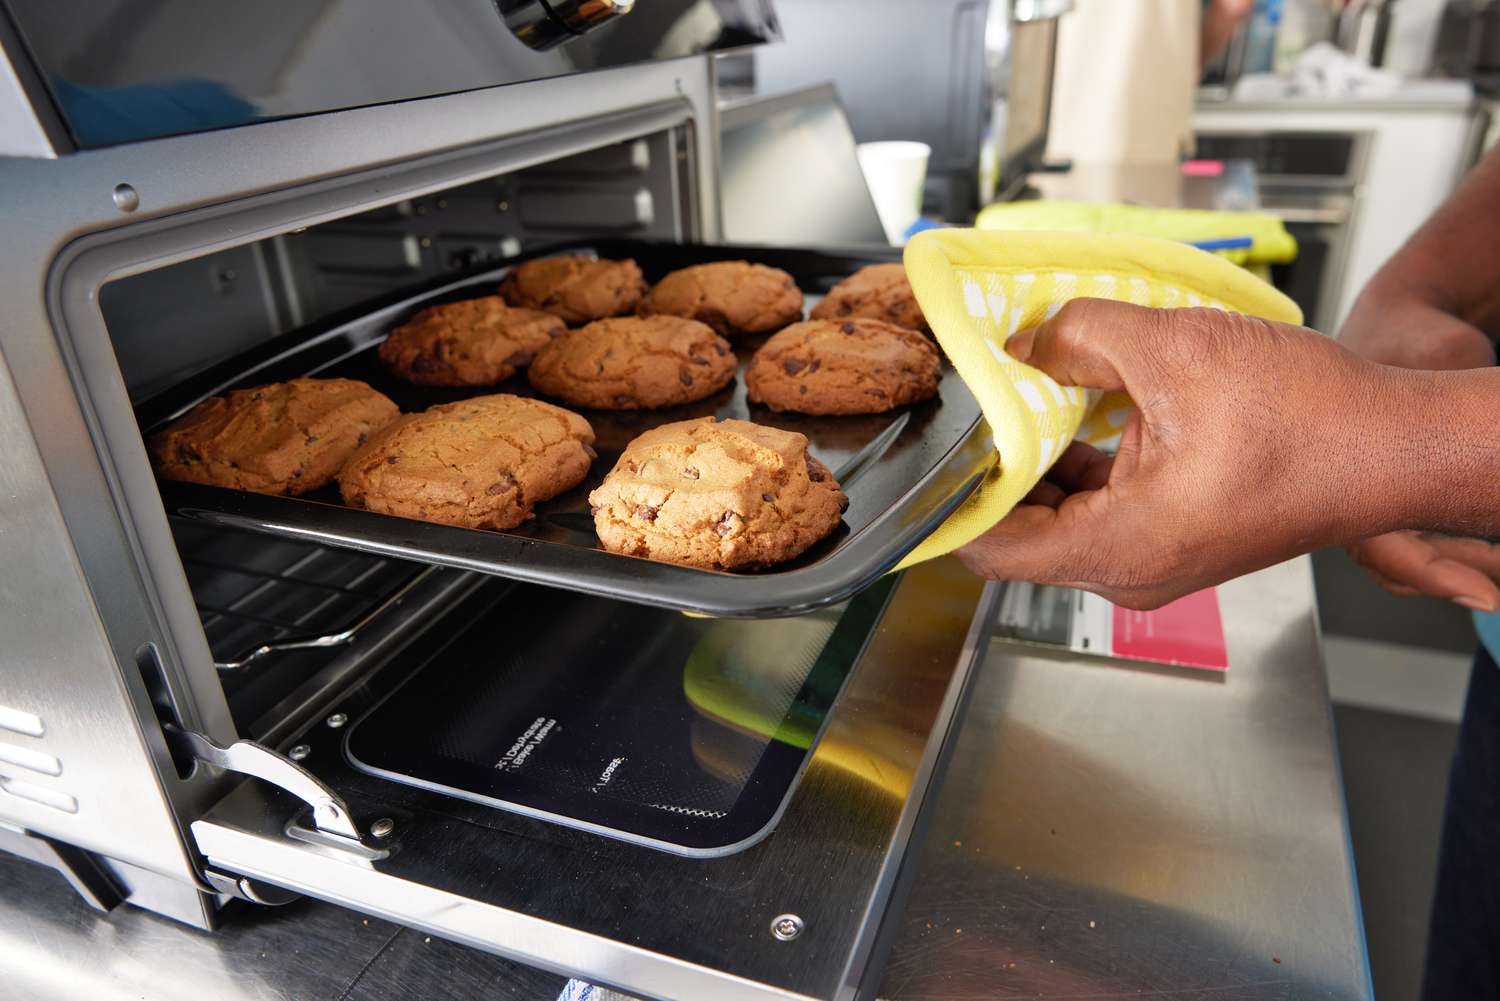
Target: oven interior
{"points": [[678, 733]]}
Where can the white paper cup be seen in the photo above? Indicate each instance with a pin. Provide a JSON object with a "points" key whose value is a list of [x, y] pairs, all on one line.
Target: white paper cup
{"points": [[894, 172]]}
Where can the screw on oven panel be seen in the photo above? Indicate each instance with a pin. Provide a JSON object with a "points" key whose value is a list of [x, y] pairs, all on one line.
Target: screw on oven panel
{"points": [[126, 198], [337, 720], [786, 927], [299, 752], [383, 827]]}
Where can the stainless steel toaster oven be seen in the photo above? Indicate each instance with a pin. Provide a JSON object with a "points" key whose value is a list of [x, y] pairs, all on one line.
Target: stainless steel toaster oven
{"points": [[201, 711]]}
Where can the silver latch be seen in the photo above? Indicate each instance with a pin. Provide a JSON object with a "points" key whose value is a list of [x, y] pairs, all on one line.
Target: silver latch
{"points": [[330, 813]]}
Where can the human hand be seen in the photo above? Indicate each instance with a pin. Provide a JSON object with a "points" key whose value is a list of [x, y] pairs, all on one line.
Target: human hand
{"points": [[1242, 454], [1466, 571], [1411, 334]]}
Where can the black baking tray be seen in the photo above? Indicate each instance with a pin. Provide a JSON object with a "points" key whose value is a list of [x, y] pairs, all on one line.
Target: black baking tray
{"points": [[904, 472]]}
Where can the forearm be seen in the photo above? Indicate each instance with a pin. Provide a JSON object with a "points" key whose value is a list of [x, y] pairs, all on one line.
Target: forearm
{"points": [[1450, 263], [1437, 443]]}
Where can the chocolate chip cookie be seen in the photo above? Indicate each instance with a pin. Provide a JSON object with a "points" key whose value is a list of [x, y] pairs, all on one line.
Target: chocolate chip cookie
{"points": [[575, 289], [634, 363], [733, 297], [843, 367], [479, 463], [720, 495], [478, 342], [285, 438], [877, 292]]}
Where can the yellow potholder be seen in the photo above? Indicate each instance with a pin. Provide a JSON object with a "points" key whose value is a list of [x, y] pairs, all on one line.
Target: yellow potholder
{"points": [[977, 288], [1270, 243]]}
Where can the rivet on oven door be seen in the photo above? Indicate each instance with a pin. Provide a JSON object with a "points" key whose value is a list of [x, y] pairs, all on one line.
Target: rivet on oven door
{"points": [[337, 720], [383, 827], [786, 927], [126, 198], [299, 752]]}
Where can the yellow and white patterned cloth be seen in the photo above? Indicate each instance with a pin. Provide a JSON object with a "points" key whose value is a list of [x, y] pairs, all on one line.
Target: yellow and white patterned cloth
{"points": [[977, 288]]}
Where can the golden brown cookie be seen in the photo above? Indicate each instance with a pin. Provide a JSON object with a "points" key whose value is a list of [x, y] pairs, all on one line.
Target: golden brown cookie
{"points": [[733, 297], [577, 289], [634, 363], [477, 342], [720, 495], [285, 438], [480, 463], [843, 367], [878, 292]]}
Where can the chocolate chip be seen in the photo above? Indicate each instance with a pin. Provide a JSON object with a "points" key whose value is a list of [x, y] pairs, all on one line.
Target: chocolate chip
{"points": [[391, 460], [789, 283], [767, 498], [816, 472], [894, 309], [793, 365], [312, 439], [876, 392], [551, 300], [817, 364], [646, 512], [847, 328], [364, 436], [426, 364], [845, 309], [297, 472], [591, 453], [520, 358], [720, 348], [843, 503], [556, 331], [624, 400], [254, 396], [802, 389], [188, 453], [685, 375], [729, 524], [691, 473], [698, 359], [504, 484]]}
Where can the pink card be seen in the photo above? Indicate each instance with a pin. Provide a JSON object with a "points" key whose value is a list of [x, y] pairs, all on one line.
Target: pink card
{"points": [[1188, 632]]}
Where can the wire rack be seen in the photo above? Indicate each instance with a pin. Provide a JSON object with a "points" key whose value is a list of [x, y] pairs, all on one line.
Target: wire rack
{"points": [[274, 609]]}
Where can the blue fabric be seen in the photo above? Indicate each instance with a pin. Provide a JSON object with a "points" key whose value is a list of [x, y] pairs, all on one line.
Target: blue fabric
{"points": [[1488, 625], [1463, 945]]}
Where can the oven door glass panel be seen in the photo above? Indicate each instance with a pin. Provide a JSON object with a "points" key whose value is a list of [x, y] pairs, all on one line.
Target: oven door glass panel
{"points": [[687, 734]]}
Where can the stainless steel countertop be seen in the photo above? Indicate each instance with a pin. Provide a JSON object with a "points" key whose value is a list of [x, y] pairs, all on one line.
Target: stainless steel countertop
{"points": [[1121, 832], [1102, 832]]}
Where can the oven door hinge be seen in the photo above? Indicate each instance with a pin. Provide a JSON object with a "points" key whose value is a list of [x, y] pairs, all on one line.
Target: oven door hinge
{"points": [[330, 813]]}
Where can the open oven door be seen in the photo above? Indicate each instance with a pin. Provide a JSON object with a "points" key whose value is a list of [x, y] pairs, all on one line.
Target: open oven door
{"points": [[777, 891]]}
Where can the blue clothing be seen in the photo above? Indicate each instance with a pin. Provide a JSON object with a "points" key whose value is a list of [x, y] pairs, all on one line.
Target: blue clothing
{"points": [[1488, 626], [1463, 941]]}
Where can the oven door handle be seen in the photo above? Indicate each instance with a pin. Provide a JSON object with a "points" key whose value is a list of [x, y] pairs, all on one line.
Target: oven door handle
{"points": [[330, 812]]}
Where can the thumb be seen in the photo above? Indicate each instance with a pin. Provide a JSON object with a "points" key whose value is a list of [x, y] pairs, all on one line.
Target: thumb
{"points": [[1089, 343]]}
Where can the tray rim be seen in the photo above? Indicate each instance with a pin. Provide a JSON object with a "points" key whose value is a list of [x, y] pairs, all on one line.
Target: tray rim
{"points": [[858, 562]]}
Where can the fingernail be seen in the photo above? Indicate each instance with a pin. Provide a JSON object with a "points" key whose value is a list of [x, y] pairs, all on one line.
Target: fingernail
{"points": [[1478, 604], [1019, 345]]}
